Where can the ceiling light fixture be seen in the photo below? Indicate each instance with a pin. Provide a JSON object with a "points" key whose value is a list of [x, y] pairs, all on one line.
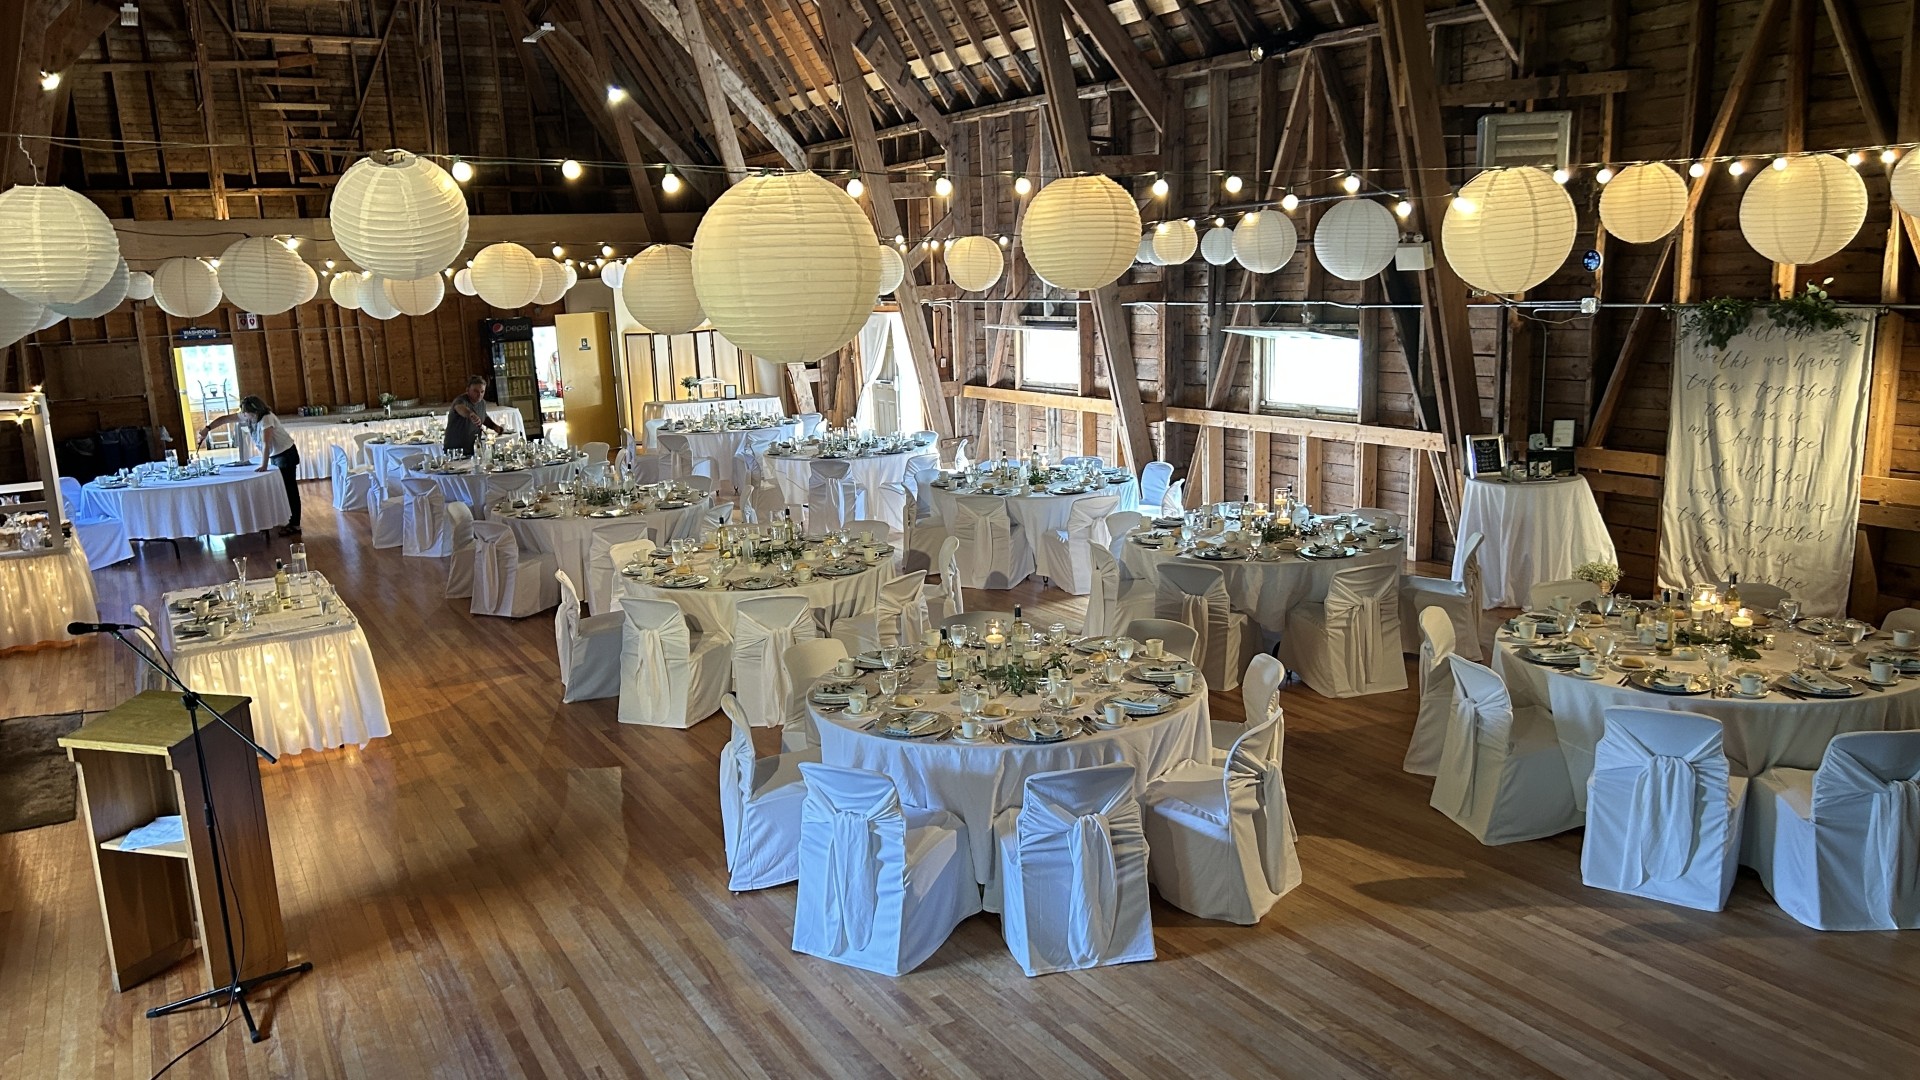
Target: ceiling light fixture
{"points": [[670, 183], [462, 170], [539, 32], [1022, 185], [1234, 184], [1351, 182], [49, 81], [615, 95], [129, 14], [1289, 202], [1160, 187], [855, 188], [942, 186], [571, 169]]}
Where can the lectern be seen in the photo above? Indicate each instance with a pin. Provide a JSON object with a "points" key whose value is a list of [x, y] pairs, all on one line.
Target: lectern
{"points": [[137, 763]]}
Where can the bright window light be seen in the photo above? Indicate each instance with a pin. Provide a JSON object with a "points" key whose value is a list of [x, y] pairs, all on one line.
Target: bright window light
{"points": [[1311, 372], [1050, 358]]}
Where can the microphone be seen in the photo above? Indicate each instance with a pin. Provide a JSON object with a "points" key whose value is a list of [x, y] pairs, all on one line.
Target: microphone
{"points": [[75, 629]]}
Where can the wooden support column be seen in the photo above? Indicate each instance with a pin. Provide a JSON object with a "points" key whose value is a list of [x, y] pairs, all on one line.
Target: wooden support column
{"points": [[707, 66], [1889, 339], [1793, 133], [1310, 464]]}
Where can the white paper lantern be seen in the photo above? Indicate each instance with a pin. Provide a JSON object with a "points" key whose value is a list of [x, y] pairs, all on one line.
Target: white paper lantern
{"points": [[56, 247], [463, 283], [1144, 254], [404, 218], [786, 266], [893, 270], [374, 300], [139, 285], [1217, 246], [1356, 238], [1643, 203], [506, 275], [573, 278], [416, 297], [1174, 242], [612, 274], [18, 318], [309, 286], [346, 289], [1805, 212], [1081, 232], [108, 298], [658, 290], [553, 282], [1905, 183], [975, 263], [186, 288], [1508, 230], [262, 275], [49, 319], [1265, 240]]}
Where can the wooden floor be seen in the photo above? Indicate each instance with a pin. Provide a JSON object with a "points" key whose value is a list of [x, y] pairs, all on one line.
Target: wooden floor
{"points": [[512, 887]]}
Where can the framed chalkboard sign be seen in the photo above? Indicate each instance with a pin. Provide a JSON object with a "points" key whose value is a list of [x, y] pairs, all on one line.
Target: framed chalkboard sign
{"points": [[1486, 455]]}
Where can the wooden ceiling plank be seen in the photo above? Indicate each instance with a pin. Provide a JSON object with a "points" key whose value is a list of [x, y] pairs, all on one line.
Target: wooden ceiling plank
{"points": [[637, 177], [780, 78], [1867, 84], [1202, 30], [662, 82], [708, 65], [1113, 41], [889, 61], [1029, 75], [1505, 24], [943, 37], [941, 80], [996, 71], [1686, 269]]}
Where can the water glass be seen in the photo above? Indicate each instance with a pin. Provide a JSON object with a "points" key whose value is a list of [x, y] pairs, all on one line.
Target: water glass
{"points": [[957, 634], [1717, 657], [889, 685], [246, 617], [890, 656], [1790, 610], [1125, 647], [970, 700], [297, 559]]}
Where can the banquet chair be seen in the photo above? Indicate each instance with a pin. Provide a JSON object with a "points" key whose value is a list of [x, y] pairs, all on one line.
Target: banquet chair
{"points": [[1112, 601], [104, 539], [1174, 502], [976, 621], [921, 473], [678, 452], [1436, 694], [352, 485], [882, 886], [423, 519], [1459, 600], [920, 536], [1061, 554], [600, 560], [1177, 638], [1221, 833], [1501, 776], [145, 639], [460, 561], [386, 518], [399, 464], [809, 423], [947, 594], [764, 628], [1349, 644], [1839, 848], [698, 482], [1153, 483], [1197, 596], [961, 450], [1376, 516], [504, 487], [899, 617], [1258, 689], [589, 648], [626, 552], [623, 463], [1071, 880], [764, 502], [362, 459], [1663, 809], [504, 582], [651, 468], [760, 801], [1758, 595], [879, 531], [669, 675], [596, 453], [1905, 618], [832, 500], [805, 663], [988, 552], [593, 472], [1541, 596]]}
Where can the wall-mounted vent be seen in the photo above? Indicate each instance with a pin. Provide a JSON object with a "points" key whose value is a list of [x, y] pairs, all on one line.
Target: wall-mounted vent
{"points": [[1536, 138]]}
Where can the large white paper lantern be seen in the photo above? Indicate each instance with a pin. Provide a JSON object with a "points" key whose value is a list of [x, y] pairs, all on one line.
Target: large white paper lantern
{"points": [[309, 285], [658, 290], [506, 275], [786, 266], [1265, 240], [418, 296], [553, 282], [262, 275], [402, 218], [108, 298], [186, 288], [1174, 241], [1643, 203], [1806, 212], [975, 263], [1081, 232], [139, 285], [893, 270], [1217, 246], [346, 289], [49, 319], [1508, 230], [18, 318], [374, 300], [613, 273], [56, 247], [1905, 183], [1144, 254], [463, 282], [1356, 239]]}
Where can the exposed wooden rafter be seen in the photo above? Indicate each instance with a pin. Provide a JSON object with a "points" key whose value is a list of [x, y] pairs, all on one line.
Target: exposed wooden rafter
{"points": [[671, 18], [1146, 85]]}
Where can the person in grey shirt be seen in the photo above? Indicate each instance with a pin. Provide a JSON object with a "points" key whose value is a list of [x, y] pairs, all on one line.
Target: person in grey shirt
{"points": [[468, 414]]}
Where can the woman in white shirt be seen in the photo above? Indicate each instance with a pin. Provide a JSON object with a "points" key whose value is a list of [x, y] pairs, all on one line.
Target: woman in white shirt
{"points": [[258, 423]]}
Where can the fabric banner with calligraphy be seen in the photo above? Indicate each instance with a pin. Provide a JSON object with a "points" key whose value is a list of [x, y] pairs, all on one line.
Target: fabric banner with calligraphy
{"points": [[1763, 461]]}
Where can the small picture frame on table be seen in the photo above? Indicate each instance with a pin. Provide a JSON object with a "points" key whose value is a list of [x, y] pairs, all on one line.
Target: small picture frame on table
{"points": [[730, 392], [1486, 456], [1563, 434]]}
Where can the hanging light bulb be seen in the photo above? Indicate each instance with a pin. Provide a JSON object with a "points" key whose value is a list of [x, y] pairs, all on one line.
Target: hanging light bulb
{"points": [[1464, 205], [1780, 164], [670, 182], [900, 238], [942, 186], [615, 95], [462, 170], [559, 252], [1403, 209], [1160, 187], [1856, 158], [1697, 169], [1289, 202], [1735, 168], [329, 264], [1351, 182], [606, 251], [571, 169], [1219, 223], [1234, 184], [1889, 156], [1605, 174], [1561, 176], [1022, 185], [855, 188], [49, 81], [1005, 241], [292, 242], [447, 272]]}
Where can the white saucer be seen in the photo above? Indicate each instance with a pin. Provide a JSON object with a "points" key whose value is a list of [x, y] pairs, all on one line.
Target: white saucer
{"points": [[1576, 673], [1736, 692], [1871, 681], [851, 715], [985, 737]]}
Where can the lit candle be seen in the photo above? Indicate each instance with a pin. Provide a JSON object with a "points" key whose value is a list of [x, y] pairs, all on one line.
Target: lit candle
{"points": [[1741, 622]]}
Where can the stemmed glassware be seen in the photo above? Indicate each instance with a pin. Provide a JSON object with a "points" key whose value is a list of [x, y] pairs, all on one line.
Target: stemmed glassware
{"points": [[1125, 647], [1718, 657], [1790, 610]]}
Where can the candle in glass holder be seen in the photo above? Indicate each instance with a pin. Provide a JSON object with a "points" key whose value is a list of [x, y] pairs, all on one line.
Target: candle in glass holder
{"points": [[1742, 621], [996, 633]]}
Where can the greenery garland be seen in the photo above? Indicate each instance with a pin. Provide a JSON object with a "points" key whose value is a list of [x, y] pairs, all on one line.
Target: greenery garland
{"points": [[1812, 311]]}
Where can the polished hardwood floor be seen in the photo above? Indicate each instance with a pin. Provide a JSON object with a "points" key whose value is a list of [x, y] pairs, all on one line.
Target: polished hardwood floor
{"points": [[508, 886]]}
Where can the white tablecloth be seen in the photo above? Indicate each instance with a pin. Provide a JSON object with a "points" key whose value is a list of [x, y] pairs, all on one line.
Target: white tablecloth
{"points": [[762, 404], [41, 593], [975, 782], [870, 474], [569, 538], [387, 458], [311, 677], [316, 436], [1537, 531], [1263, 591], [712, 610], [481, 490], [721, 449], [230, 502], [1039, 513]]}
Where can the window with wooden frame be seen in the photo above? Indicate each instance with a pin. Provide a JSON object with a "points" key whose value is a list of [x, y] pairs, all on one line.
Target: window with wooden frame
{"points": [[1049, 357], [1308, 373]]}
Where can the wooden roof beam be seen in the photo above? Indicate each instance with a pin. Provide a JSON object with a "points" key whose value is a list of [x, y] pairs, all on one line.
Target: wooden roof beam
{"points": [[673, 19], [889, 61], [1113, 41], [1505, 23]]}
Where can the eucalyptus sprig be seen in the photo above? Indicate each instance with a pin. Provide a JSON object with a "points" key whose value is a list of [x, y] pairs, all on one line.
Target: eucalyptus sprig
{"points": [[1808, 312], [1812, 311]]}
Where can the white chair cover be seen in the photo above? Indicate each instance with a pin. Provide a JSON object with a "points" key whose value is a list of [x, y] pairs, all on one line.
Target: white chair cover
{"points": [[1378, 517], [831, 500], [600, 561], [760, 801], [386, 519], [764, 502], [360, 441], [504, 582], [1153, 483], [1501, 775], [764, 628], [1758, 595], [460, 564], [1436, 694], [947, 564], [1196, 595], [920, 534], [1905, 618], [589, 649], [881, 887], [1179, 638], [1458, 599], [351, 486], [678, 453], [1061, 555], [1072, 880], [104, 539], [1258, 690], [1540, 597], [396, 466], [1663, 812], [805, 663], [1113, 601], [1120, 523], [1174, 503], [987, 550], [902, 610], [809, 423], [423, 516], [623, 553], [146, 640], [596, 453], [667, 678], [1350, 644]]}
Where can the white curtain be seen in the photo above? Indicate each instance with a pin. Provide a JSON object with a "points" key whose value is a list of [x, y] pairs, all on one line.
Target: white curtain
{"points": [[889, 386]]}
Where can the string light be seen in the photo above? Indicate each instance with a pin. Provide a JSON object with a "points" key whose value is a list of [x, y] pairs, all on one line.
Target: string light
{"points": [[1404, 209], [1889, 156], [670, 183], [1697, 169], [1351, 182], [1736, 167], [1219, 223], [606, 251], [559, 252], [1234, 184], [855, 188], [1022, 185], [1605, 174], [571, 169], [49, 81], [462, 170], [1160, 187], [1464, 205], [1856, 158], [1005, 241], [1289, 202], [942, 186], [329, 264], [1779, 164], [615, 95], [1561, 176]]}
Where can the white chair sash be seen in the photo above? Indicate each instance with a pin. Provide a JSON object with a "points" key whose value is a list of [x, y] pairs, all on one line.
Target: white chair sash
{"points": [[1663, 824], [1103, 592], [853, 890], [1482, 713], [1460, 756], [1093, 882], [650, 643], [1892, 863]]}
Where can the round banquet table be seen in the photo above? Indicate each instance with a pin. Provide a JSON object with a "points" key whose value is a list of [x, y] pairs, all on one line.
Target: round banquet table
{"points": [[569, 537], [975, 781], [1536, 530], [316, 436], [1037, 512], [720, 451], [1263, 591], [235, 500], [1775, 730], [794, 472], [388, 466], [710, 610], [481, 490], [41, 592]]}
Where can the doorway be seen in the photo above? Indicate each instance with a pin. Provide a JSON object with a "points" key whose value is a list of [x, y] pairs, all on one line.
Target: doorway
{"points": [[209, 383], [546, 369]]}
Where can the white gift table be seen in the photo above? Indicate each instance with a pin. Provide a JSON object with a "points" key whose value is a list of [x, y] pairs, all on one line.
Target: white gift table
{"points": [[871, 475], [238, 499], [1536, 530], [1035, 512], [41, 592], [1263, 591], [695, 408], [569, 537]]}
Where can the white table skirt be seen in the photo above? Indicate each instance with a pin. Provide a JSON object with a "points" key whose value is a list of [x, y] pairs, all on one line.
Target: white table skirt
{"points": [[712, 610], [760, 404], [316, 436], [1264, 591], [871, 475], [229, 503], [1038, 513], [1537, 531], [568, 539], [482, 490], [41, 594], [1774, 731], [721, 450]]}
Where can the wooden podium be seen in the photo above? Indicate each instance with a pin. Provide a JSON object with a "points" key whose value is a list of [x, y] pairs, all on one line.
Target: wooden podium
{"points": [[137, 763]]}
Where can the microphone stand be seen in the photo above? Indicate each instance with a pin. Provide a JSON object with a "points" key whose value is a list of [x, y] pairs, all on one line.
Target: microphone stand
{"points": [[235, 990]]}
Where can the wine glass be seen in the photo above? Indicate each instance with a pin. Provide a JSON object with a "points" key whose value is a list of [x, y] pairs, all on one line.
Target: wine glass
{"points": [[1125, 647], [1717, 657], [1790, 610], [890, 657], [889, 685], [957, 634]]}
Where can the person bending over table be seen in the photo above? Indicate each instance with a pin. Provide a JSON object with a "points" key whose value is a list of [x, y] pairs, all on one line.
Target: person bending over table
{"points": [[465, 418], [258, 423]]}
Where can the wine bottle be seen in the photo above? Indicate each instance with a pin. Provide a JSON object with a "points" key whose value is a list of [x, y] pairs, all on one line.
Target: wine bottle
{"points": [[1021, 633], [943, 664], [1731, 599]]}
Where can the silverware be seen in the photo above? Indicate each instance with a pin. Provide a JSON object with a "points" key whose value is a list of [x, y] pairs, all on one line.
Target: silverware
{"points": [[1868, 683]]}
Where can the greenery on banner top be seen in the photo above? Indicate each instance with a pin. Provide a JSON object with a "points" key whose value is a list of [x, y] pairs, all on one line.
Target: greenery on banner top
{"points": [[1715, 322]]}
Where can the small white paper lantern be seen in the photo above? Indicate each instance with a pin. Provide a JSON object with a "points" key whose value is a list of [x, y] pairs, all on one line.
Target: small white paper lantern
{"points": [[1643, 203], [262, 275], [310, 285], [1174, 242], [1265, 240], [108, 298], [463, 283], [186, 288], [573, 278], [1905, 183], [506, 275], [1217, 246], [658, 290], [139, 285], [1081, 232], [416, 297], [786, 266], [49, 319], [553, 282], [975, 263], [374, 300], [58, 247], [893, 270], [1144, 254], [18, 318], [1508, 230], [1805, 212], [402, 217], [613, 273], [346, 288], [1356, 239]]}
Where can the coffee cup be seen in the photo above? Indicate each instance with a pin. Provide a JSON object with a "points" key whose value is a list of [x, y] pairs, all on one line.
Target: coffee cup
{"points": [[1114, 713], [969, 727], [870, 556], [844, 667], [1882, 671], [857, 700], [217, 629], [1525, 629], [1750, 683], [1589, 664], [1183, 682], [803, 573], [1903, 639], [201, 608], [1156, 647], [648, 573]]}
